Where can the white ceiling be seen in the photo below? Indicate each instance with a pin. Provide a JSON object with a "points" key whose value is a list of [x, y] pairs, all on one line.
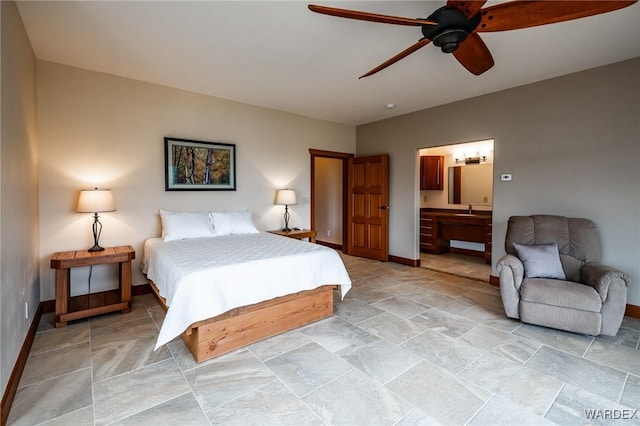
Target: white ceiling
{"points": [[280, 55]]}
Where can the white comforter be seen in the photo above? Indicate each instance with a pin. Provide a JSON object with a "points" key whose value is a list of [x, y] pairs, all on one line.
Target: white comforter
{"points": [[204, 277]]}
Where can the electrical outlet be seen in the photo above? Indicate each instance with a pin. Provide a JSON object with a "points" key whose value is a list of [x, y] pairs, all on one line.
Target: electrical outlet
{"points": [[26, 310], [328, 232]]}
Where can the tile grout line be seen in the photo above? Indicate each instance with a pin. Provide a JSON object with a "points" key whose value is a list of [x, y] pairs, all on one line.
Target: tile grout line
{"points": [[524, 364], [300, 398], [481, 408], [555, 398], [624, 385], [131, 372], [182, 373], [193, 394], [586, 350]]}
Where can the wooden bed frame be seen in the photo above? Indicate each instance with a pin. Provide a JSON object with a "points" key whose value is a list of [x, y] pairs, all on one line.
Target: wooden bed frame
{"points": [[242, 326]]}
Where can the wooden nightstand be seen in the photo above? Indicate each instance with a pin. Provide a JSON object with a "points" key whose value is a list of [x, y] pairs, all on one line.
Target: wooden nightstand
{"points": [[298, 234], [107, 301]]}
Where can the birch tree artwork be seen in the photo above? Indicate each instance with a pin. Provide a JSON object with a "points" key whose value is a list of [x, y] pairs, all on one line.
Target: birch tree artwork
{"points": [[199, 165]]}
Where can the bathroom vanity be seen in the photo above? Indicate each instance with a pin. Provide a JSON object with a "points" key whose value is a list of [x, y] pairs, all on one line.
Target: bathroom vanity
{"points": [[438, 227]]}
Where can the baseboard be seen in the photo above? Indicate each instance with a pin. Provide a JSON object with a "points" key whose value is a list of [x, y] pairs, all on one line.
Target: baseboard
{"points": [[18, 368], [405, 261], [136, 290], [468, 252], [328, 244], [48, 306], [632, 311], [139, 290]]}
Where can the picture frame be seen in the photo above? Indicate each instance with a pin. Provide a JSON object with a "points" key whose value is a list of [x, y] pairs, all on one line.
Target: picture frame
{"points": [[191, 165]]}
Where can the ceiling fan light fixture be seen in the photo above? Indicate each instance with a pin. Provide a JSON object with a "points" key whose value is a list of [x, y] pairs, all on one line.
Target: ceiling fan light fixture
{"points": [[452, 29], [449, 39]]}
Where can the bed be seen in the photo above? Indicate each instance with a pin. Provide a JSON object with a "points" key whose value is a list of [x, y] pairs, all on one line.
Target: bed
{"points": [[223, 292]]}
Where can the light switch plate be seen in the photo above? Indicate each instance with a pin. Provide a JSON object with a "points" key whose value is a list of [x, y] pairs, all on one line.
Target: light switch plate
{"points": [[505, 177]]}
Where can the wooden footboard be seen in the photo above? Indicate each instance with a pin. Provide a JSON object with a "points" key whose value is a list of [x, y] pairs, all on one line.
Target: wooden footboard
{"points": [[248, 324]]}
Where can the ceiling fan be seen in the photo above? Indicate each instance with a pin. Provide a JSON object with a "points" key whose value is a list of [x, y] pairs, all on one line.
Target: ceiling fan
{"points": [[454, 27]]}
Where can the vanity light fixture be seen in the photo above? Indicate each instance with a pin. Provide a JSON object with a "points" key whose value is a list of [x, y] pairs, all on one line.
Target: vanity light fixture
{"points": [[477, 159]]}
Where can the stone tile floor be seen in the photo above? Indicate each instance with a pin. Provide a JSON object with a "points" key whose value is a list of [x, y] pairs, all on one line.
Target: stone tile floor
{"points": [[407, 346]]}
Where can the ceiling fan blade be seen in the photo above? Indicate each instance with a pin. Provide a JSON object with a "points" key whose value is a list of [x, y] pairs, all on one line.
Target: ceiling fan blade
{"points": [[523, 13], [474, 55], [366, 16], [406, 52], [469, 7]]}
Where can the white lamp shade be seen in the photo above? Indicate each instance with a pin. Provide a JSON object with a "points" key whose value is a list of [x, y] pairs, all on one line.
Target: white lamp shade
{"points": [[95, 200], [286, 197]]}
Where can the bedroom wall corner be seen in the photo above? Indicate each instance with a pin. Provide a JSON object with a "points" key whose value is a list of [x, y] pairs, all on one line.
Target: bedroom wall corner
{"points": [[101, 130], [19, 272]]}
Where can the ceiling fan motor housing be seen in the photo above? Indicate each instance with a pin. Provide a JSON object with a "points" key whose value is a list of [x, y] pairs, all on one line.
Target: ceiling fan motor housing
{"points": [[452, 29]]}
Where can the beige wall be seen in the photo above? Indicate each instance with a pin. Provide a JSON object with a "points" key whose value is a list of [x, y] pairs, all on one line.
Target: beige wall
{"points": [[101, 130], [19, 280], [571, 144]]}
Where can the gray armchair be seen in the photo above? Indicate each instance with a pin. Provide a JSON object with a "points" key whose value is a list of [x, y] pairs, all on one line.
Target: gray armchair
{"points": [[579, 295]]}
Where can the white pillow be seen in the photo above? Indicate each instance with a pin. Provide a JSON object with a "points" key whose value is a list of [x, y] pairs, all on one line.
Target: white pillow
{"points": [[233, 222], [184, 225]]}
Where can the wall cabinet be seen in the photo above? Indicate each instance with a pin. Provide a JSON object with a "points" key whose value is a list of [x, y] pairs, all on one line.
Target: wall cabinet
{"points": [[431, 172]]}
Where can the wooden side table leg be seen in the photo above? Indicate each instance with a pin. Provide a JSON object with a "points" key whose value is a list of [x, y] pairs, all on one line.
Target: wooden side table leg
{"points": [[62, 295], [125, 285]]}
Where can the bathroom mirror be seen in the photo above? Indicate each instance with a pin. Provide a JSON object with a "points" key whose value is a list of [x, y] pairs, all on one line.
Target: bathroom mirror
{"points": [[471, 184]]}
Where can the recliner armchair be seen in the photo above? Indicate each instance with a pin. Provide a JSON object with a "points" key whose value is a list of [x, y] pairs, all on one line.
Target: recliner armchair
{"points": [[591, 299]]}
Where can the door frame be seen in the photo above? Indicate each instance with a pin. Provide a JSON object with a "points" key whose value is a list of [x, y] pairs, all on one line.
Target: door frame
{"points": [[344, 156]]}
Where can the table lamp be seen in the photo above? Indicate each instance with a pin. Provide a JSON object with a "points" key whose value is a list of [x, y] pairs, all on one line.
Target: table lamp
{"points": [[286, 197], [96, 201]]}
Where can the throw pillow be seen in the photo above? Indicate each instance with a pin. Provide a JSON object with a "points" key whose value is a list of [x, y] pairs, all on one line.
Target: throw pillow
{"points": [[540, 260]]}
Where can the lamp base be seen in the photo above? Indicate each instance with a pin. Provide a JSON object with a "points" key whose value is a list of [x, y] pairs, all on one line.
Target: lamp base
{"points": [[286, 219], [97, 230]]}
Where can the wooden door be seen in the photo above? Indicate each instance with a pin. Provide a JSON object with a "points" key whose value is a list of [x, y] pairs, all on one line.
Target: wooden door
{"points": [[368, 207]]}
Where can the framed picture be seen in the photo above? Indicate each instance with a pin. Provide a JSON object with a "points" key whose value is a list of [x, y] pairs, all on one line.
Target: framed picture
{"points": [[199, 166]]}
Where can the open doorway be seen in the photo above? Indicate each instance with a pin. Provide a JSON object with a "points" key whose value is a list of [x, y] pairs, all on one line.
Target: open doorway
{"points": [[456, 199], [467, 177], [329, 171]]}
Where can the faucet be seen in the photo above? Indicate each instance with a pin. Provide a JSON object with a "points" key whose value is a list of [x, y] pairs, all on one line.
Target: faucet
{"points": [[470, 210]]}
